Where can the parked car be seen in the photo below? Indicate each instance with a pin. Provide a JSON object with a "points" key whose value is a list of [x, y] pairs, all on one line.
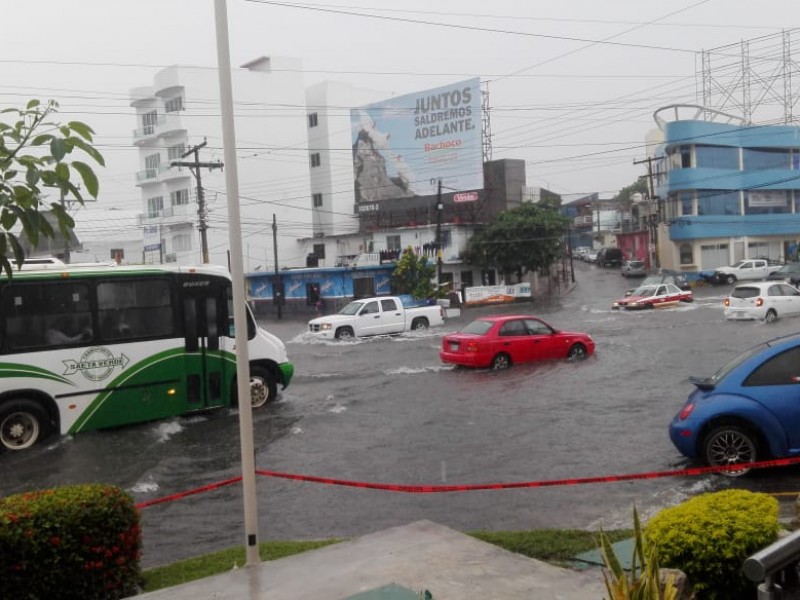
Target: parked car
{"points": [[751, 269], [662, 295], [745, 412], [765, 300], [590, 256], [790, 273], [375, 316], [633, 268], [580, 251], [610, 257], [504, 340]]}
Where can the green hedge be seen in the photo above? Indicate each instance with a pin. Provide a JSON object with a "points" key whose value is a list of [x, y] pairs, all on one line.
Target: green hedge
{"points": [[710, 536], [81, 541]]}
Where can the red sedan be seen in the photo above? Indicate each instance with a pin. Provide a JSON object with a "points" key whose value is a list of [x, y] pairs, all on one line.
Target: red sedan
{"points": [[503, 340]]}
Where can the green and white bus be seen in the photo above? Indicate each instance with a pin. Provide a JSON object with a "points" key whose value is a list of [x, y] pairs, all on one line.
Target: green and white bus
{"points": [[96, 346]]}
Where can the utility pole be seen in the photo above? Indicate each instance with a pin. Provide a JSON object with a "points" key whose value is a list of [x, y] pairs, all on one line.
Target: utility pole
{"points": [[195, 167], [276, 285], [653, 219], [439, 236], [67, 239]]}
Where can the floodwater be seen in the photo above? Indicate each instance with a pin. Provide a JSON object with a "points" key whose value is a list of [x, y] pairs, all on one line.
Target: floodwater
{"points": [[385, 410]]}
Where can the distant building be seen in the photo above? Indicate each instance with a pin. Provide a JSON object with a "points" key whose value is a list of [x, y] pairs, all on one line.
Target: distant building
{"points": [[181, 110], [726, 192]]}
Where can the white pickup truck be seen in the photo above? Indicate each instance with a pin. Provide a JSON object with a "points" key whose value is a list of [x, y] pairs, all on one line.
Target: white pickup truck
{"points": [[754, 268], [375, 316]]}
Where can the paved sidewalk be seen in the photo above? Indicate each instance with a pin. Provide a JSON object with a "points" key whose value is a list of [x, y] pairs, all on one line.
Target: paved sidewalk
{"points": [[414, 558]]}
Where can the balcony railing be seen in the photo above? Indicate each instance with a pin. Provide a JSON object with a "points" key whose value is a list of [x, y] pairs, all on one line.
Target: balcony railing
{"points": [[147, 176], [181, 213], [584, 221]]}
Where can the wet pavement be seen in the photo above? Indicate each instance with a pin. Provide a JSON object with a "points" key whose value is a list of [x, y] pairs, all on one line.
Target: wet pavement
{"points": [[387, 411], [399, 563]]}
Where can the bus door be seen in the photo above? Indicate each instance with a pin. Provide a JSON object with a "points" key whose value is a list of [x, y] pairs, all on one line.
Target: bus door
{"points": [[204, 307]]}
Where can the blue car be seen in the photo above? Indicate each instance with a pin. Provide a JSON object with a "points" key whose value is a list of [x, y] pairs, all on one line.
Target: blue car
{"points": [[747, 411]]}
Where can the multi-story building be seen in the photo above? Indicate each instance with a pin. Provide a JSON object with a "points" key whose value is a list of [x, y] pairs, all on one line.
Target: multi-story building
{"points": [[179, 112], [726, 192]]}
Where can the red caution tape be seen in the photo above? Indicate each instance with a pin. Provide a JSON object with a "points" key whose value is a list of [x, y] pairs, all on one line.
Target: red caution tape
{"points": [[435, 489], [205, 488]]}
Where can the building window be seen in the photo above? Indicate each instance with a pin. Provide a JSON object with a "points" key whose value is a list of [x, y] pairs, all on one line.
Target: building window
{"points": [[182, 242], [680, 158], [687, 254], [117, 254], [393, 242], [759, 159], [316, 159], [149, 120], [767, 202], [319, 250], [179, 197], [313, 121], [718, 202], [151, 165], [174, 104], [317, 198], [155, 206], [445, 238], [686, 200], [717, 157], [176, 152]]}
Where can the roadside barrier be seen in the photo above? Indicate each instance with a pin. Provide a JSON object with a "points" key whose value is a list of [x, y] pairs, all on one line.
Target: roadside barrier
{"points": [[434, 489]]}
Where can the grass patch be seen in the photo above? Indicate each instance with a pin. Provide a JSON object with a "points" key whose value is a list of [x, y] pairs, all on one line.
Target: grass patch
{"points": [[554, 546], [219, 562]]}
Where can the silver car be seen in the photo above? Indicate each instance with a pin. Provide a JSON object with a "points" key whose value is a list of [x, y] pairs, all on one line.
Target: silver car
{"points": [[633, 268]]}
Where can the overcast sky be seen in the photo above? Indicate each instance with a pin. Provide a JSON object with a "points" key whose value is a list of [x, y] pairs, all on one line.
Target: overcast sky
{"points": [[573, 84]]}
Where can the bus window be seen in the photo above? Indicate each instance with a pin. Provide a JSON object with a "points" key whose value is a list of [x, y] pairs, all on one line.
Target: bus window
{"points": [[135, 309], [47, 314]]}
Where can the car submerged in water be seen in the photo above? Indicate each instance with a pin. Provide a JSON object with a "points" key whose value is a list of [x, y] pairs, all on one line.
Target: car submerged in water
{"points": [[500, 341], [662, 295]]}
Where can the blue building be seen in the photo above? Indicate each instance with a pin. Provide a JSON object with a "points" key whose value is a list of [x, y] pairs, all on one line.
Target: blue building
{"points": [[727, 192], [300, 290]]}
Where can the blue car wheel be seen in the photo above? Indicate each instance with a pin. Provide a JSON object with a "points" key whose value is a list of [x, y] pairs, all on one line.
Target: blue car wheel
{"points": [[730, 445]]}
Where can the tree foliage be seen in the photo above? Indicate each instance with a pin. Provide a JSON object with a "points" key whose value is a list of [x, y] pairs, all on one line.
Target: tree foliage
{"points": [[520, 240], [637, 187], [36, 153], [414, 275]]}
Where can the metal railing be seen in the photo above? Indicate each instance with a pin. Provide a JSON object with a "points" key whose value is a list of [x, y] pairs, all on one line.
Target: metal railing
{"points": [[775, 569]]}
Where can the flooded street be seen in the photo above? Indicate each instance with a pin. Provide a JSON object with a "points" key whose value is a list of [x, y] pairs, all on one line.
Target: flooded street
{"points": [[387, 411]]}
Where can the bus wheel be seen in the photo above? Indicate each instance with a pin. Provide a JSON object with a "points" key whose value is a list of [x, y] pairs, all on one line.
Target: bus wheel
{"points": [[263, 387], [22, 424]]}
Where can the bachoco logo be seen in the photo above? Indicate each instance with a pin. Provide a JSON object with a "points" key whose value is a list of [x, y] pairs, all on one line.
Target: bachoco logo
{"points": [[96, 363]]}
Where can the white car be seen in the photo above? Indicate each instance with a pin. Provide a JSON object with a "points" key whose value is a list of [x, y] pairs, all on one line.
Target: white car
{"points": [[765, 300]]}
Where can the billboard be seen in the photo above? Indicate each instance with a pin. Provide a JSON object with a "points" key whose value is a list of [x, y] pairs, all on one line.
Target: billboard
{"points": [[402, 147]]}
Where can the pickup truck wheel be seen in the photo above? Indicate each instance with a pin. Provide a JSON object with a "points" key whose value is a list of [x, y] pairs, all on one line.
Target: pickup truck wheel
{"points": [[419, 324], [501, 361], [344, 333], [22, 424], [730, 279]]}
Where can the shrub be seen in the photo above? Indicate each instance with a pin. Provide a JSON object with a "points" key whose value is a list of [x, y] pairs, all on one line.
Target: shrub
{"points": [[80, 541], [710, 536], [644, 581]]}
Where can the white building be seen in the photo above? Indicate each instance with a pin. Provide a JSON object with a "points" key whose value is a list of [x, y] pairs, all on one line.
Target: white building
{"points": [[180, 111]]}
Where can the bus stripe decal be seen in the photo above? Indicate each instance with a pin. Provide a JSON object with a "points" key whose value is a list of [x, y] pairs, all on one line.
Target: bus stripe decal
{"points": [[130, 373], [19, 370]]}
